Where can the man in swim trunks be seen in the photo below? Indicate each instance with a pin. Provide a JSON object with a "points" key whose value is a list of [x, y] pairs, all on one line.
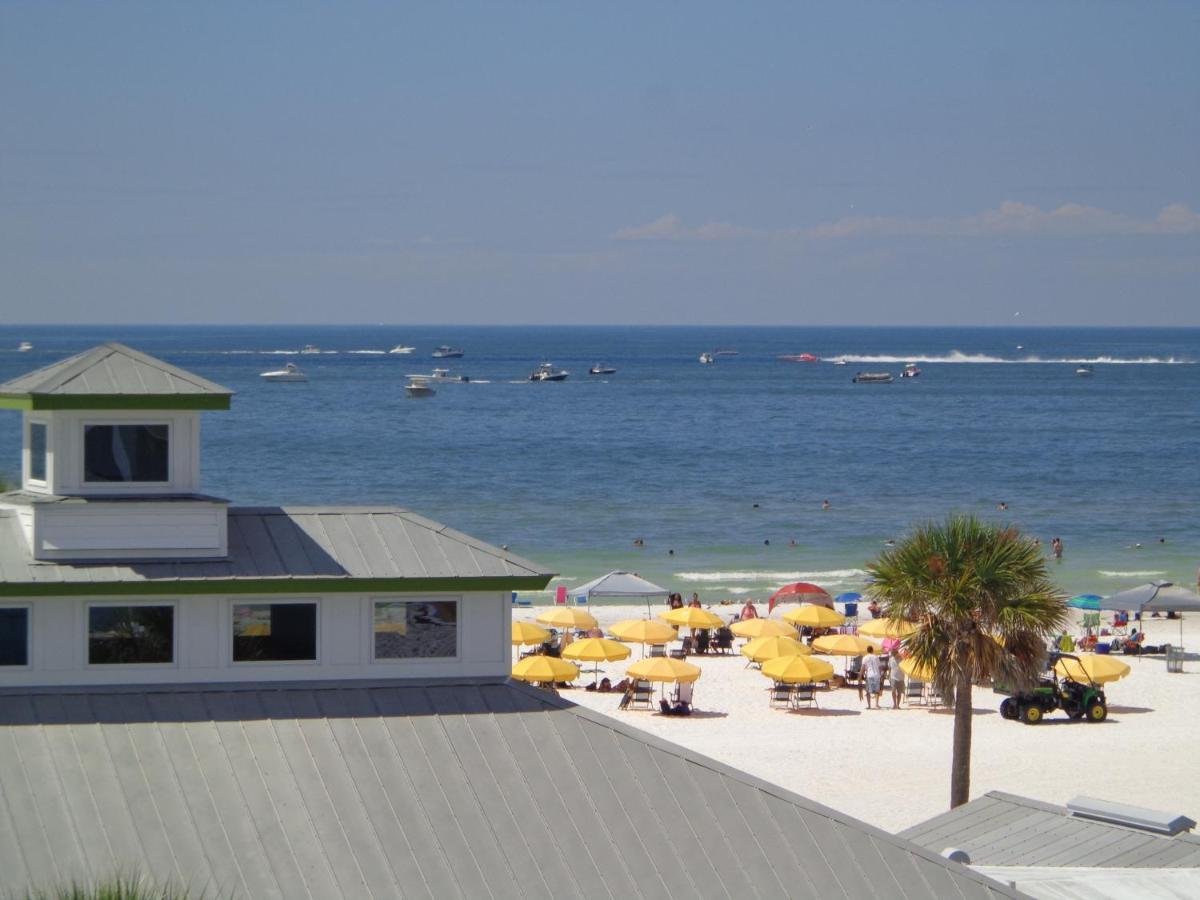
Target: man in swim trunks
{"points": [[872, 673]]}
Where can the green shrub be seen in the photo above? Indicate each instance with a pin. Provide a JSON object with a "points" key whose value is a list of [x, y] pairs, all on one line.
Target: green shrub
{"points": [[118, 887]]}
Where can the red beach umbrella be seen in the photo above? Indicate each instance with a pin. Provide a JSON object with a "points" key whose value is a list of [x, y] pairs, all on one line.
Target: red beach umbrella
{"points": [[801, 592]]}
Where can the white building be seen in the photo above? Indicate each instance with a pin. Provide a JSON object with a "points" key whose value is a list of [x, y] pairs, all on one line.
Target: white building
{"points": [[115, 569]]}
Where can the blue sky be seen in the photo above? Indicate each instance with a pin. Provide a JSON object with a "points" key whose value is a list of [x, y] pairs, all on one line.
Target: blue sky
{"points": [[908, 163]]}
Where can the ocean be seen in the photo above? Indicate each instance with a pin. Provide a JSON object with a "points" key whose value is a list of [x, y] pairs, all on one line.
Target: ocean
{"points": [[721, 470]]}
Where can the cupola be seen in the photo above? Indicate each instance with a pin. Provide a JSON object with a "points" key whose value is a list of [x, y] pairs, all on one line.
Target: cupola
{"points": [[111, 459]]}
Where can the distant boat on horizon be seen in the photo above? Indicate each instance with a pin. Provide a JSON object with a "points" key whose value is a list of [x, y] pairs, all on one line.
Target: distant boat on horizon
{"points": [[800, 357], [290, 372], [447, 352]]}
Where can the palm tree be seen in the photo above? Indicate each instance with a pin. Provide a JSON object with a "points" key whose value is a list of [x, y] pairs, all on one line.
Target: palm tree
{"points": [[983, 606]]}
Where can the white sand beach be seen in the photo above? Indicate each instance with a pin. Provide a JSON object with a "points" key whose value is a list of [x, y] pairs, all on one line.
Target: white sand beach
{"points": [[892, 767]]}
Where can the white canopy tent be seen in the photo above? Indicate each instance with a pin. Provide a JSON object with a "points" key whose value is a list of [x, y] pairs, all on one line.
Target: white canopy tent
{"points": [[620, 584], [1157, 596]]}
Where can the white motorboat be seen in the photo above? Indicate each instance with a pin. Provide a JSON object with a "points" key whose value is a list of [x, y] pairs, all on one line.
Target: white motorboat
{"points": [[447, 352], [839, 362], [707, 359], [440, 376], [24, 347], [910, 371], [1085, 371], [873, 378], [418, 387], [311, 349], [601, 370], [400, 348], [547, 372], [290, 372]]}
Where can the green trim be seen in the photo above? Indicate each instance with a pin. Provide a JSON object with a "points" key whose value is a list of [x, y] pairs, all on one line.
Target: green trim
{"points": [[114, 401], [167, 587]]}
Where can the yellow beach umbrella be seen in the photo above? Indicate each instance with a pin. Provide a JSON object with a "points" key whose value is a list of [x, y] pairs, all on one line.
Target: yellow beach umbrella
{"points": [[760, 628], [545, 668], [843, 645], [1099, 668], [797, 669], [813, 616], [567, 617], [915, 670], [663, 668], [643, 631], [596, 650], [764, 648], [888, 628], [692, 617], [528, 633]]}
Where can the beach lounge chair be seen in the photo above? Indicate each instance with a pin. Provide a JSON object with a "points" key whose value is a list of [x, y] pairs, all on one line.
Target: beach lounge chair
{"points": [[804, 693], [658, 650], [914, 692], [722, 641], [934, 695], [781, 695], [642, 695]]}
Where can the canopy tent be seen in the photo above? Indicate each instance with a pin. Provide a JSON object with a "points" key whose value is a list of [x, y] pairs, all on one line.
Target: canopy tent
{"points": [[620, 584], [1157, 596]]}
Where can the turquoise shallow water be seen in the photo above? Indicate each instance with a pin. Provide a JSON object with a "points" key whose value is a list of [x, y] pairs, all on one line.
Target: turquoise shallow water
{"points": [[711, 462]]}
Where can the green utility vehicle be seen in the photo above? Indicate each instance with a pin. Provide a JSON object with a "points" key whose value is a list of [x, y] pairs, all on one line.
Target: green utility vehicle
{"points": [[1078, 699]]}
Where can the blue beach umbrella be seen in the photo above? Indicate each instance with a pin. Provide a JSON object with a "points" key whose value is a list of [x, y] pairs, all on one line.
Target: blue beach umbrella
{"points": [[848, 597], [1085, 601]]}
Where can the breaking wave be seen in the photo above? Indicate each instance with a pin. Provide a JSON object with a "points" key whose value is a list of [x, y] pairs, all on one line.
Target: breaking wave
{"points": [[1145, 574], [773, 577], [957, 356]]}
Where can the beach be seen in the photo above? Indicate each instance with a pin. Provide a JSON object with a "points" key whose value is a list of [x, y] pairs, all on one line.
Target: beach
{"points": [[891, 768]]}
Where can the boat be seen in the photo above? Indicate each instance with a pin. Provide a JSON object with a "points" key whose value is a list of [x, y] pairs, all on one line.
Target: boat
{"points": [[601, 370], [1085, 371], [910, 371], [290, 372], [24, 347], [311, 348], [707, 359], [839, 362], [441, 376], [800, 357], [447, 352], [419, 387], [400, 348], [873, 378], [547, 372]]}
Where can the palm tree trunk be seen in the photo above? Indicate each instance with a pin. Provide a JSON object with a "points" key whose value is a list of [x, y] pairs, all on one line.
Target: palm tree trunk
{"points": [[960, 765]]}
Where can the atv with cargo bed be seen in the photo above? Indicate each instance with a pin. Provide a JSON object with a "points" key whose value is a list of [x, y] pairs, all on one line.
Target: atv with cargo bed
{"points": [[1079, 699]]}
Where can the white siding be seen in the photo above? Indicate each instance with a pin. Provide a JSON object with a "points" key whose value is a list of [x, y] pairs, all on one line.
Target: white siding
{"points": [[142, 530], [204, 642], [65, 451]]}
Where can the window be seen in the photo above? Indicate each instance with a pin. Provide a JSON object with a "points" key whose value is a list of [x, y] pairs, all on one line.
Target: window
{"points": [[118, 453], [37, 451], [131, 634], [416, 630], [14, 636], [274, 632]]}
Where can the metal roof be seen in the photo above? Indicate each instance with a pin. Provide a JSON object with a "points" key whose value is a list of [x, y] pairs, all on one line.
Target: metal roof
{"points": [[435, 789], [285, 549], [113, 371], [1001, 829]]}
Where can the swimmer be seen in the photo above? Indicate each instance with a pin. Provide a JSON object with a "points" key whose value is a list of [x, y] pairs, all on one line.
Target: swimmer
{"points": [[671, 552], [766, 543], [1001, 505], [756, 506], [824, 504], [638, 542], [791, 542]]}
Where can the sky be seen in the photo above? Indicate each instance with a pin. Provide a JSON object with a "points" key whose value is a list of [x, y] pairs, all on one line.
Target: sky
{"points": [[565, 163]]}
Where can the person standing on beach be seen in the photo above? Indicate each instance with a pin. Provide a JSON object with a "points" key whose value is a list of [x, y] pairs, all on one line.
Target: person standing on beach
{"points": [[748, 611], [695, 601], [896, 676], [872, 673]]}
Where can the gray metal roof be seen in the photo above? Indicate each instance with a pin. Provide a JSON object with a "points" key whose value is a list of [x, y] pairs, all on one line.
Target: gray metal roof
{"points": [[435, 789], [1001, 829], [108, 370], [285, 546]]}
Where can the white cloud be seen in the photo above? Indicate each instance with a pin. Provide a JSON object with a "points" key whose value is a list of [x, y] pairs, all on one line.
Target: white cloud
{"points": [[1014, 219], [671, 228], [1009, 219]]}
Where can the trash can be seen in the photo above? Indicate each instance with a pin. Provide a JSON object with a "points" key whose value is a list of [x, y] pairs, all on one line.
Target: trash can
{"points": [[1174, 659]]}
